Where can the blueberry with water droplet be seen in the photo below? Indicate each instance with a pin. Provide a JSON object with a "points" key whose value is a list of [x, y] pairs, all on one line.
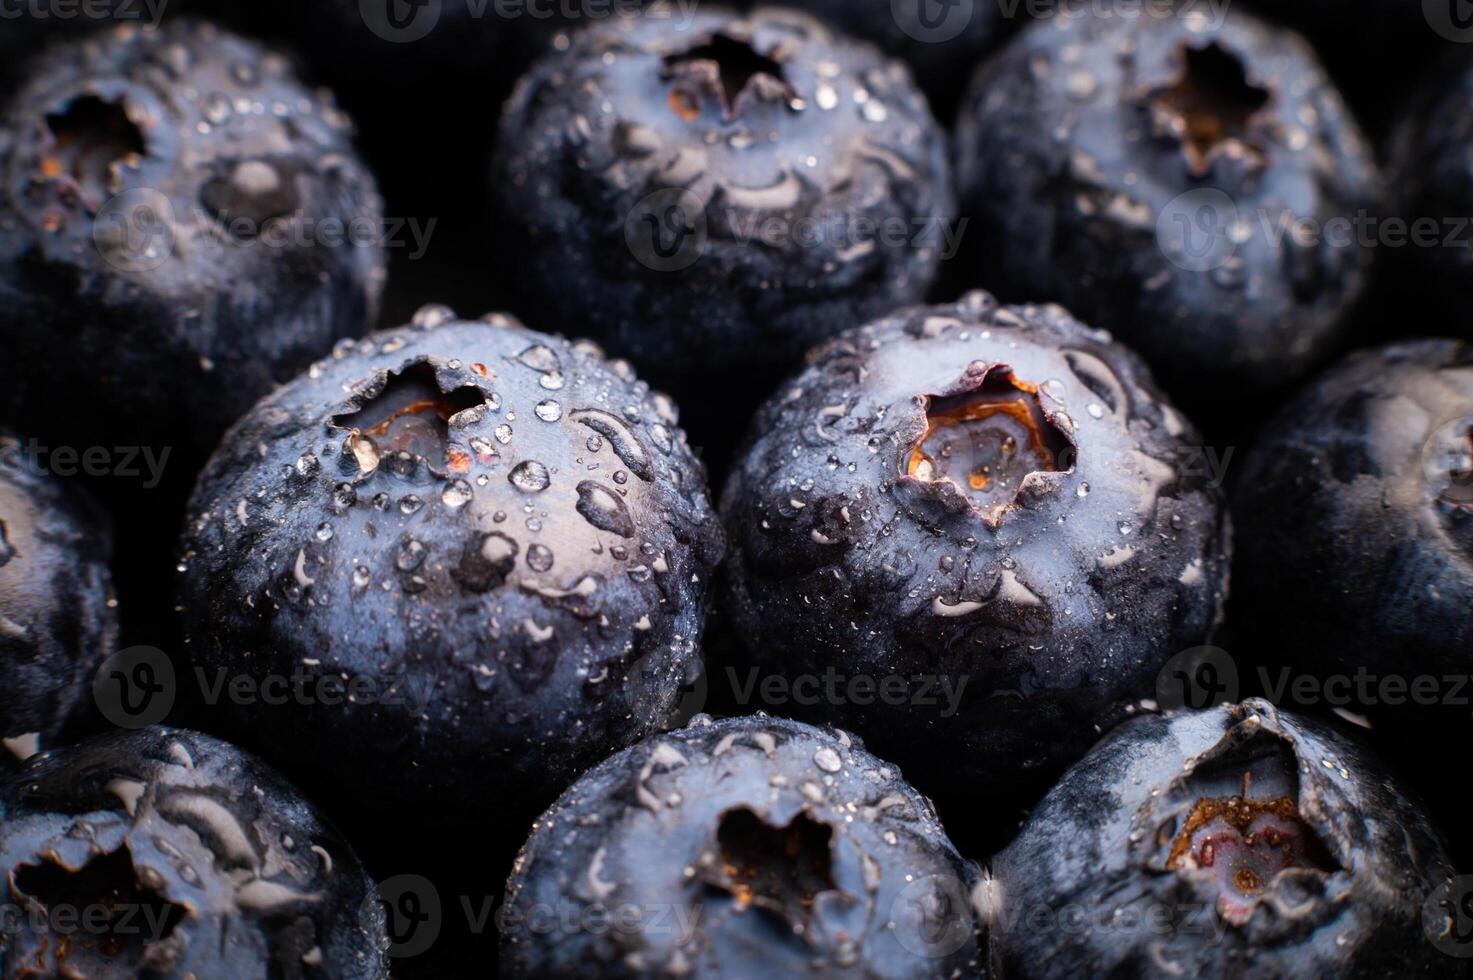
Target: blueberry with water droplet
{"points": [[787, 850], [470, 636], [720, 191], [962, 551], [166, 250], [1177, 179], [167, 853], [58, 622], [1263, 843]]}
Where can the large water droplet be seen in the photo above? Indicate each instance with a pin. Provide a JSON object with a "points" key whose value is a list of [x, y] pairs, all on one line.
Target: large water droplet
{"points": [[604, 509], [539, 558], [530, 476]]}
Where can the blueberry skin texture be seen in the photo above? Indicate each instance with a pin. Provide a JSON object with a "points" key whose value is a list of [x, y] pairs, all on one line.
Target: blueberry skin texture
{"points": [[1093, 845], [647, 830], [254, 880], [1430, 153], [585, 144], [532, 599], [58, 617], [1357, 514], [941, 43], [1074, 177], [1056, 619], [142, 222]]}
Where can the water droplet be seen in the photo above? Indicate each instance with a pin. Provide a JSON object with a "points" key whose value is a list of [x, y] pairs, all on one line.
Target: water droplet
{"points": [[344, 496], [539, 357], [411, 555], [324, 532], [361, 575], [530, 476], [457, 494], [620, 438], [539, 558], [433, 315], [503, 433], [549, 411], [410, 504]]}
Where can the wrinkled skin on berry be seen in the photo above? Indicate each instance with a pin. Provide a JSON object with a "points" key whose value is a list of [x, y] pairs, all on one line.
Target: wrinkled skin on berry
{"points": [[503, 535], [1148, 173], [746, 847], [723, 195], [166, 220], [58, 620], [1357, 510], [166, 853], [1430, 154], [995, 498], [1240, 841]]}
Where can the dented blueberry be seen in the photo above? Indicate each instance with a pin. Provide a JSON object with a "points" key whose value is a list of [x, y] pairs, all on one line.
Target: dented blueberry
{"points": [[58, 620], [183, 221], [1239, 841], [1172, 179], [166, 853], [992, 503], [501, 538], [723, 191], [1356, 507], [747, 847]]}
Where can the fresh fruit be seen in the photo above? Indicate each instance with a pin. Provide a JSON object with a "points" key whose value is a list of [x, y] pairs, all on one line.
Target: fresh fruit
{"points": [[1356, 508], [487, 552], [58, 617], [722, 191], [1192, 183], [746, 847], [1239, 841], [165, 853], [184, 221], [993, 505]]}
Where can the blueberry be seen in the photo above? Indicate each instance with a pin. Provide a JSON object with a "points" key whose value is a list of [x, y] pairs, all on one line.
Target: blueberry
{"points": [[721, 191], [1357, 515], [1174, 180], [166, 853], [1434, 185], [499, 540], [1240, 841], [58, 620], [994, 504], [747, 847], [182, 221]]}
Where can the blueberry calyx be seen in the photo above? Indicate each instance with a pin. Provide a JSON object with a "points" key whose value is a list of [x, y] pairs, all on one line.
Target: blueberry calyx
{"points": [[407, 418], [1210, 108], [730, 69], [781, 870], [987, 441], [87, 140]]}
